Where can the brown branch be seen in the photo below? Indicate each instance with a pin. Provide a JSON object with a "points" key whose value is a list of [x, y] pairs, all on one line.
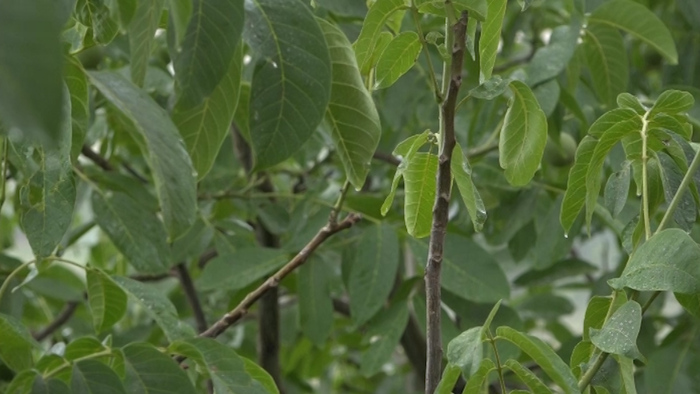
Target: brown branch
{"points": [[387, 158], [440, 210], [207, 257], [60, 320], [242, 308], [96, 158], [191, 294]]}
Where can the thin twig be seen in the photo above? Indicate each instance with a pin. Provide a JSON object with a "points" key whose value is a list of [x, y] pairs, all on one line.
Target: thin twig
{"points": [[387, 158], [60, 320], [455, 35], [96, 158], [191, 294]]}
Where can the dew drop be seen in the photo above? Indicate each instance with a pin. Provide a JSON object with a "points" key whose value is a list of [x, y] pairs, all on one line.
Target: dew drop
{"points": [[566, 235]]}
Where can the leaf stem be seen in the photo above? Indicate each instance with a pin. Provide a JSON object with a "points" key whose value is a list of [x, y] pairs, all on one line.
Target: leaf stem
{"points": [[107, 352], [12, 275], [499, 368], [645, 182], [3, 169], [590, 373], [333, 217]]}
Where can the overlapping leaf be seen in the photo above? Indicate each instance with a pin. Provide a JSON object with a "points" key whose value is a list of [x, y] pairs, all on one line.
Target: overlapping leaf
{"points": [[419, 184], [77, 84], [150, 371], [377, 16], [620, 331], [607, 60], [92, 377], [470, 195], [97, 15], [397, 58], [17, 344], [106, 299], [406, 150], [552, 59], [141, 31], [315, 303], [490, 36], [237, 270], [386, 329]]}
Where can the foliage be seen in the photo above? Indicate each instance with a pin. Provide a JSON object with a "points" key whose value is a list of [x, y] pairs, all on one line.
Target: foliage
{"points": [[188, 186]]}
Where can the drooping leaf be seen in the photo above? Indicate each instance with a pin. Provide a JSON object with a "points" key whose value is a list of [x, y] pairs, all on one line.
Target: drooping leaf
{"points": [[397, 58], [166, 154], [470, 195], [77, 84], [315, 303], [528, 377], [31, 65], [158, 307], [523, 137], [97, 15], [490, 36], [16, 345], [377, 16], [226, 369], [208, 49], [148, 371], [544, 356], [205, 126], [93, 377], [666, 262], [549, 61], [419, 184], [243, 267], [291, 86], [448, 380], [672, 102], [617, 189], [627, 374], [406, 150], [351, 114], [261, 376], [385, 329], [476, 382], [466, 351], [135, 231], [142, 29], [636, 19], [606, 56], [106, 299], [375, 264], [620, 331]]}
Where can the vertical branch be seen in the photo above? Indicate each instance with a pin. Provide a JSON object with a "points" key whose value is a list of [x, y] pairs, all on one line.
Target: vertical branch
{"points": [[183, 275], [442, 200]]}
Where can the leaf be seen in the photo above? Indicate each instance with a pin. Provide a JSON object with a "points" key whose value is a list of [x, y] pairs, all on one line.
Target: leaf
{"points": [[575, 195], [135, 231], [547, 306], [477, 8], [315, 303], [597, 311], [639, 21], [397, 58], [158, 307], [672, 368], [549, 61], [672, 176], [22, 382], [490, 36], [165, 152], [672, 102], [666, 262], [523, 137], [31, 68], [77, 84], [552, 244], [419, 184], [449, 377], [149, 371], [606, 57], [626, 100], [291, 86], [407, 149], [208, 49], [476, 382], [616, 190], [259, 374], [544, 356], [377, 16], [84, 346], [92, 376], [466, 351], [385, 329], [490, 89], [50, 386], [627, 374], [205, 126], [689, 302], [97, 15], [180, 13], [17, 344], [470, 195], [619, 333], [562, 269], [48, 198], [141, 31], [226, 369], [351, 113], [375, 264], [240, 269], [526, 376], [106, 299]]}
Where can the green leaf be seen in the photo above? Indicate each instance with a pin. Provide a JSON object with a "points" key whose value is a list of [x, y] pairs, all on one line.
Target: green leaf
{"points": [[17, 344], [470, 195], [84, 346], [419, 184], [142, 29], [208, 49], [477, 8], [606, 55], [397, 58], [135, 231], [672, 176], [672, 368], [639, 21], [97, 15], [448, 380], [547, 306], [171, 165], [158, 307], [259, 374], [106, 299], [490, 36], [292, 83], [627, 374], [552, 244], [180, 12], [597, 310], [666, 262], [476, 382], [77, 84], [50, 386], [22, 382], [92, 376], [149, 371], [562, 269], [351, 114], [575, 195], [315, 303], [617, 189], [626, 100], [549, 61], [205, 126], [48, 198], [526, 376], [385, 330], [466, 351], [620, 331], [226, 369], [672, 102], [375, 264], [377, 16], [544, 356], [689, 302], [31, 67], [126, 9], [523, 137], [240, 269], [407, 149], [490, 89]]}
